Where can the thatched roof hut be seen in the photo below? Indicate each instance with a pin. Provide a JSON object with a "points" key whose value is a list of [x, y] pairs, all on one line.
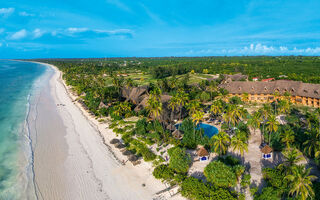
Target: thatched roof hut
{"points": [[119, 145], [201, 152], [132, 158], [266, 149], [114, 141], [127, 153]]}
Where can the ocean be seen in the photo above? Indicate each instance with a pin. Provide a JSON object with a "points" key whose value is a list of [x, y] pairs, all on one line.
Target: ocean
{"points": [[19, 82]]}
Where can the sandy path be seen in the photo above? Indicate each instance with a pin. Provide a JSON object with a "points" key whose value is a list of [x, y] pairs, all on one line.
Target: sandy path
{"points": [[72, 159]]}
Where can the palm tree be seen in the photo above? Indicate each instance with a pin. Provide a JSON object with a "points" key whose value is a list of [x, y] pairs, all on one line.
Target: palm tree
{"points": [[301, 182], [182, 98], [245, 97], [276, 95], [283, 106], [154, 106], [255, 121], [272, 125], [212, 88], [239, 143], [220, 142], [216, 107], [265, 112], [287, 137], [291, 158], [193, 106], [312, 144], [173, 104]]}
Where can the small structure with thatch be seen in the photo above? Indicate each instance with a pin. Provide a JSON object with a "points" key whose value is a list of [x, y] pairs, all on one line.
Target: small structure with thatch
{"points": [[203, 154], [114, 141], [132, 158], [177, 134], [266, 152], [119, 145]]}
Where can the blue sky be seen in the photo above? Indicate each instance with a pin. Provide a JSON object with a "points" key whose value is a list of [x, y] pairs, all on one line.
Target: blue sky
{"points": [[112, 28]]}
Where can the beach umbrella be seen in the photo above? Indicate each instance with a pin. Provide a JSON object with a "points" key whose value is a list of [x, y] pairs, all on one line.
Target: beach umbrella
{"points": [[114, 141], [132, 158], [127, 152], [119, 145]]}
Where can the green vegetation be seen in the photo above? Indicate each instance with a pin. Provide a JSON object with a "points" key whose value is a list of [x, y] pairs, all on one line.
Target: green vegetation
{"points": [[187, 89]]}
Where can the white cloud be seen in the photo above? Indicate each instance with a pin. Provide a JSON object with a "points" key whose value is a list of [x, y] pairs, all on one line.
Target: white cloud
{"points": [[119, 4], [37, 33], [76, 30], [18, 35], [259, 49], [1, 30], [25, 14], [6, 11]]}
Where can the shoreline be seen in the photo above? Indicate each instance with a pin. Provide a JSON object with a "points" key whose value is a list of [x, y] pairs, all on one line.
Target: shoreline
{"points": [[89, 139]]}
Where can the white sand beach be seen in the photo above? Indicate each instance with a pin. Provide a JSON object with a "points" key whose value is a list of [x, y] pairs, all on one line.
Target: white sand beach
{"points": [[72, 158]]}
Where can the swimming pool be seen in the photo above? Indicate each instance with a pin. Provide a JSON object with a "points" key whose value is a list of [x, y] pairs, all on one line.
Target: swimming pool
{"points": [[209, 130]]}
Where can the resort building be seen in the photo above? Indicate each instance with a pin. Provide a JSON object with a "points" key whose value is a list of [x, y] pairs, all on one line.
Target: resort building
{"points": [[306, 94], [202, 153]]}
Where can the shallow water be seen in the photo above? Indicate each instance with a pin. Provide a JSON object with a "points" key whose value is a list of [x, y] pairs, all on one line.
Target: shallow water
{"points": [[17, 86]]}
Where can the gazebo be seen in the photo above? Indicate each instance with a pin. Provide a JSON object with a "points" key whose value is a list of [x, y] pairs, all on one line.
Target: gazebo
{"points": [[202, 154], [266, 152]]}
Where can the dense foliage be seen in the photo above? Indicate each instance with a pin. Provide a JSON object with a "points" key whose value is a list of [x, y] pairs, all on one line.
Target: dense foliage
{"points": [[220, 174]]}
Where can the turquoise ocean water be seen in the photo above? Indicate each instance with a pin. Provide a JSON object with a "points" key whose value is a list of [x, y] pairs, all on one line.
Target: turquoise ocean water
{"points": [[17, 82]]}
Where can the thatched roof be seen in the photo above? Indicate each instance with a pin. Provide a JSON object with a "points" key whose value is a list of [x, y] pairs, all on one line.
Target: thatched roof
{"points": [[236, 77], [119, 145], [202, 152], [163, 98], [295, 88], [114, 141], [135, 94], [177, 134], [132, 158], [266, 149], [127, 153]]}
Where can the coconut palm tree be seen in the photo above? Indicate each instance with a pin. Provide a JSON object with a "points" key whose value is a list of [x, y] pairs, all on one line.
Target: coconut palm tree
{"points": [[216, 107], [312, 144], [272, 125], [239, 143], [173, 104], [182, 99], [193, 106], [220, 142], [301, 182], [255, 121], [212, 88], [245, 97], [292, 157], [287, 137], [197, 117], [265, 112], [276, 96], [154, 106]]}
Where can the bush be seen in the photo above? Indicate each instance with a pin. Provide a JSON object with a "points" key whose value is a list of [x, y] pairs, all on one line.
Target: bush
{"points": [[268, 193], [195, 189], [220, 174], [246, 179], [163, 172], [179, 160], [229, 160]]}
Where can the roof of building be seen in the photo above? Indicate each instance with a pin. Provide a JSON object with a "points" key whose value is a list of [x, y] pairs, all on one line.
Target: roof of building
{"points": [[267, 79], [236, 77], [266, 149], [202, 151], [295, 88]]}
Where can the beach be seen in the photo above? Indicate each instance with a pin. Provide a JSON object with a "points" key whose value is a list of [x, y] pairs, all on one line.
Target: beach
{"points": [[72, 156]]}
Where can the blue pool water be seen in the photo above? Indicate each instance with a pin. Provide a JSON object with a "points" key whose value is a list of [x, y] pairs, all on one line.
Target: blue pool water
{"points": [[209, 130]]}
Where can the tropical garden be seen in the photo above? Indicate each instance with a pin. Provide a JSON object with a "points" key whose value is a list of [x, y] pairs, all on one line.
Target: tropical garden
{"points": [[194, 97]]}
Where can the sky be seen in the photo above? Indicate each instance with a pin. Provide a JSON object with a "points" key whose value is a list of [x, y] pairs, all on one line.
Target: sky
{"points": [[143, 28]]}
